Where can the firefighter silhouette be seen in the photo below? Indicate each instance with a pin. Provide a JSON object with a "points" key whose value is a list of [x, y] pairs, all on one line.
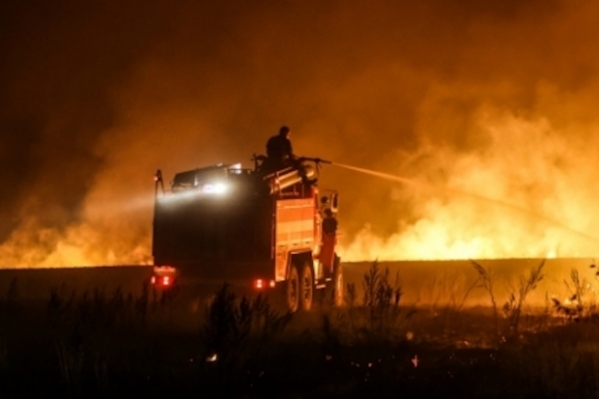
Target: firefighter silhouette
{"points": [[329, 239], [279, 155], [329, 223], [279, 150]]}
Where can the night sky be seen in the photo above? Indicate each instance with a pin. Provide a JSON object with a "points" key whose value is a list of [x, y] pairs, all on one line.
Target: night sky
{"points": [[497, 98]]}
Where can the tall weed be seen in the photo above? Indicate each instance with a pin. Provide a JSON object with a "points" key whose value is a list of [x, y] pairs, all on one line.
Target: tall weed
{"points": [[486, 281], [581, 304], [234, 333], [512, 308], [379, 317], [91, 329]]}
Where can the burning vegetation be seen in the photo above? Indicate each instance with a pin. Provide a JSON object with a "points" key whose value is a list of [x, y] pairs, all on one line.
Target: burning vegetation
{"points": [[490, 108], [459, 133]]}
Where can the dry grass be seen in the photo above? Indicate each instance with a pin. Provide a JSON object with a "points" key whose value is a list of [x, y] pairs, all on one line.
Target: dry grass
{"points": [[111, 343]]}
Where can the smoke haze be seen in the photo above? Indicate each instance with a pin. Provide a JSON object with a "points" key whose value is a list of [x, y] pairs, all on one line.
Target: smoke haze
{"points": [[496, 99]]}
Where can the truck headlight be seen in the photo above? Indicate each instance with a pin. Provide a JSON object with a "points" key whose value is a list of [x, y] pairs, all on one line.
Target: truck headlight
{"points": [[216, 188]]}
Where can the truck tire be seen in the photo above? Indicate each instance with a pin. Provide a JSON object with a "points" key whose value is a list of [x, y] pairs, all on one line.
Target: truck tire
{"points": [[306, 287], [293, 290], [338, 285]]}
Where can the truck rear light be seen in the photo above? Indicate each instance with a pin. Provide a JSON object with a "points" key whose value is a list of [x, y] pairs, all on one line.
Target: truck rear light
{"points": [[162, 281], [164, 276], [262, 284]]}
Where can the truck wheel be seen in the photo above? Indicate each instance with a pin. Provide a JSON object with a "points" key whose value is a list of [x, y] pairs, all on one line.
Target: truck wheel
{"points": [[306, 287], [293, 290], [338, 286]]}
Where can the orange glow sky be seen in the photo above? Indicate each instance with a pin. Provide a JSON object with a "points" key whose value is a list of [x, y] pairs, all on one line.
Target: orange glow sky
{"points": [[496, 99]]}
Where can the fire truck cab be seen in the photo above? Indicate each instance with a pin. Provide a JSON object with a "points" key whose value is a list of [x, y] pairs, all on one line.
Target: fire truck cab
{"points": [[251, 228]]}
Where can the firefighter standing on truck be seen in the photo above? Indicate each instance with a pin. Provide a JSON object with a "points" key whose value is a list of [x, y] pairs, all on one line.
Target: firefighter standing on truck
{"points": [[279, 151]]}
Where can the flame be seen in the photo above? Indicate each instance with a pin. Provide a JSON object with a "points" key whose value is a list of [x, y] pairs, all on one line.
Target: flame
{"points": [[529, 194], [95, 241]]}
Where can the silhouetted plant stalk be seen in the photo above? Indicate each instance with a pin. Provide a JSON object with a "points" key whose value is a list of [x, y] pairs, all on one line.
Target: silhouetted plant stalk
{"points": [[380, 316], [577, 307], [351, 300], [485, 281], [235, 331], [68, 336], [456, 302], [89, 329], [512, 309], [231, 320], [448, 292]]}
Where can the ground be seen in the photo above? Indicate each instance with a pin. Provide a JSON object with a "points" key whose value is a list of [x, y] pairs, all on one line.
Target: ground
{"points": [[116, 343]]}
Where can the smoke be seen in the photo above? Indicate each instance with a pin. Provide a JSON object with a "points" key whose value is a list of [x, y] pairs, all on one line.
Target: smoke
{"points": [[528, 193], [494, 98]]}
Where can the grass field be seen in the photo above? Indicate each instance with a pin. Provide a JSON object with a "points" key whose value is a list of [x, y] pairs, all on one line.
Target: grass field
{"points": [[469, 330]]}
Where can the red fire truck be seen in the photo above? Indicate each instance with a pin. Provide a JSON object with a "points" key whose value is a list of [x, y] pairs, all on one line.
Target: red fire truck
{"points": [[254, 228]]}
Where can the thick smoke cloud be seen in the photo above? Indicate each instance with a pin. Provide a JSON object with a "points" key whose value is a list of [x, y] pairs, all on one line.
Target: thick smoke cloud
{"points": [[491, 98]]}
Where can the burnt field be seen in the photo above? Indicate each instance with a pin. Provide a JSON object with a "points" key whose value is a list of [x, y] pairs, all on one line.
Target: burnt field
{"points": [[524, 328]]}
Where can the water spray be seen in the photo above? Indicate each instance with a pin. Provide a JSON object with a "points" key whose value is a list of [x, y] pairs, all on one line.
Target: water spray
{"points": [[504, 204]]}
